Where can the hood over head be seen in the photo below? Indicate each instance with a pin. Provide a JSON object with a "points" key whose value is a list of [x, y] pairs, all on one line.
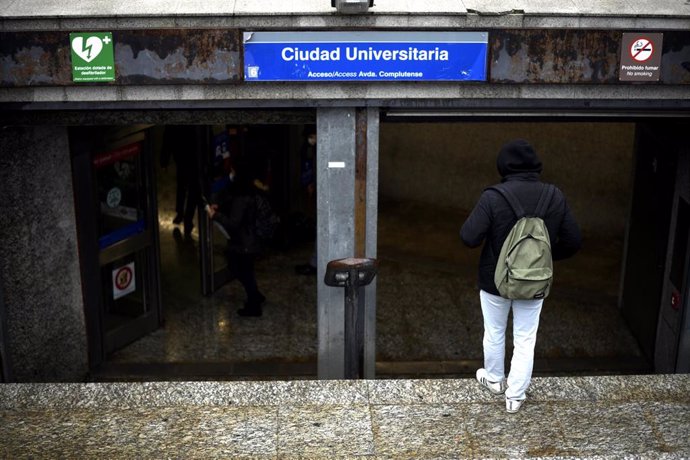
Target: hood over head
{"points": [[517, 157]]}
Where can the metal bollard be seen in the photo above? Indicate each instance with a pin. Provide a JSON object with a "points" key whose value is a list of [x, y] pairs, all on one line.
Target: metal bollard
{"points": [[352, 274]]}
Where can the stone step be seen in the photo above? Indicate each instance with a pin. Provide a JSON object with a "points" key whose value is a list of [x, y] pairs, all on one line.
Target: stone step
{"points": [[585, 417]]}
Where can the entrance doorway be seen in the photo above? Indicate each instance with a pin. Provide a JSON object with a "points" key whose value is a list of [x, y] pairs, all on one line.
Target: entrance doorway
{"points": [[428, 319], [118, 235], [202, 337], [432, 174]]}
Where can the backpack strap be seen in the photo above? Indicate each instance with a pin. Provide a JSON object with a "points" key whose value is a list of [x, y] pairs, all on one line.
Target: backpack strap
{"points": [[510, 198], [545, 198]]}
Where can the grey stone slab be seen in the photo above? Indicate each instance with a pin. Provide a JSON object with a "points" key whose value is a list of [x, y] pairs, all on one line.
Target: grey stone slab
{"points": [[15, 25], [45, 337], [167, 394], [639, 388], [322, 419], [7, 4], [324, 431], [421, 431], [105, 8], [605, 429], [417, 7], [670, 23], [200, 21], [532, 432], [42, 433], [633, 7], [327, 392], [669, 422], [205, 8], [88, 23], [38, 8], [149, 22], [481, 21], [150, 93], [397, 92], [84, 93], [555, 389], [17, 94], [552, 22], [545, 7], [199, 432], [449, 391], [279, 7]]}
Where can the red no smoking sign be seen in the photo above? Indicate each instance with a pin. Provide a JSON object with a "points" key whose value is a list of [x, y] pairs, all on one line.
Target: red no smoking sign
{"points": [[640, 57], [642, 49], [124, 280]]}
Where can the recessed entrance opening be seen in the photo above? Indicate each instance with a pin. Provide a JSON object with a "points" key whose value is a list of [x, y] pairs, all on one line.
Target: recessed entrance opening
{"points": [[198, 334], [600, 318], [431, 175]]}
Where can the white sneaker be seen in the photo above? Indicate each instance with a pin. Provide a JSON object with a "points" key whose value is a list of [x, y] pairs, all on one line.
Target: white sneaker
{"points": [[513, 405], [497, 388]]}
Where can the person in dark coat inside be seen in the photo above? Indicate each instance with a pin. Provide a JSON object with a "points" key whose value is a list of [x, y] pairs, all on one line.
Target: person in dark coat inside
{"points": [[490, 222], [236, 211], [179, 142]]}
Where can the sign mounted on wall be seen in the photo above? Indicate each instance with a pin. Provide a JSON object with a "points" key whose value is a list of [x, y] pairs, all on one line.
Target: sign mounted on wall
{"points": [[92, 56], [365, 56], [641, 57]]}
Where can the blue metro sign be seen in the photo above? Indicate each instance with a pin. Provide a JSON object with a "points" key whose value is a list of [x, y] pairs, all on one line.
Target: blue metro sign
{"points": [[365, 56]]}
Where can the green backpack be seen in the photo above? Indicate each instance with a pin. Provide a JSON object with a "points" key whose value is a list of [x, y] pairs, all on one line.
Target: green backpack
{"points": [[525, 269]]}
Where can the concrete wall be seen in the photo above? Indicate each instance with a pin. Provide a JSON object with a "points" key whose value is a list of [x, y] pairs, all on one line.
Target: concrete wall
{"points": [[451, 163], [39, 263]]}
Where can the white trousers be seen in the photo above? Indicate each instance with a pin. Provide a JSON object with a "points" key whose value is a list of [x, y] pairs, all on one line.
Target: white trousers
{"points": [[495, 310]]}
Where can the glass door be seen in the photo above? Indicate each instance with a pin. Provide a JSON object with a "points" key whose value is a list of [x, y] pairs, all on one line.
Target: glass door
{"points": [[118, 232], [222, 144], [127, 241]]}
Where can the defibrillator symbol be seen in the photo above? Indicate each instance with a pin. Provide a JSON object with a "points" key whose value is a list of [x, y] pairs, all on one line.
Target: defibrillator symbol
{"points": [[93, 58]]}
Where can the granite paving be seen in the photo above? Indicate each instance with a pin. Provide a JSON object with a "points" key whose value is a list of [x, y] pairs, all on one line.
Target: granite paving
{"points": [[564, 417]]}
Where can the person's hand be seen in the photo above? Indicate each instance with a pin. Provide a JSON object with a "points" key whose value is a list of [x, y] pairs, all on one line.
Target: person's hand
{"points": [[211, 210], [260, 185]]}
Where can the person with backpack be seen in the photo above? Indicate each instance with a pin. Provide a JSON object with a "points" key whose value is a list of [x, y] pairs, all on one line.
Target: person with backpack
{"points": [[524, 225], [236, 210]]}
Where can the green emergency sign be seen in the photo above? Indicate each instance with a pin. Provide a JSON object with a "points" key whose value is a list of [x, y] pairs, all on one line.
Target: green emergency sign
{"points": [[92, 56]]}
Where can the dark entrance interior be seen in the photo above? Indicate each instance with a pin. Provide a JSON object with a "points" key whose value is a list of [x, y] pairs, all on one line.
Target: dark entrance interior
{"points": [[619, 177], [428, 317], [201, 336]]}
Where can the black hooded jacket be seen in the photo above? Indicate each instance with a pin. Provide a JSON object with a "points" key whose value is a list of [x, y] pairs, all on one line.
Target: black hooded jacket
{"points": [[492, 218], [237, 214]]}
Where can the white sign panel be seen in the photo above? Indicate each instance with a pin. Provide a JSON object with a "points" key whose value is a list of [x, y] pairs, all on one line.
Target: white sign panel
{"points": [[124, 280]]}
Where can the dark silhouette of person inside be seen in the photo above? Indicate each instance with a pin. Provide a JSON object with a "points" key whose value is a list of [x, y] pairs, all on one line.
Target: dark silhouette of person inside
{"points": [[235, 209], [179, 142]]}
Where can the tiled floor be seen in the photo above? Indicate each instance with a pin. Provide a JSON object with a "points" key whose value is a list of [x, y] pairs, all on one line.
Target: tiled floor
{"points": [[428, 314]]}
